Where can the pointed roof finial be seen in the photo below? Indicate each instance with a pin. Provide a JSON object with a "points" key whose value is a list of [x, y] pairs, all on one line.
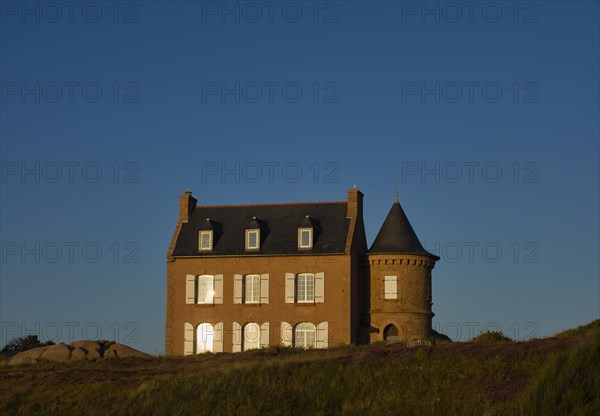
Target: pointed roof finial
{"points": [[396, 199], [355, 186]]}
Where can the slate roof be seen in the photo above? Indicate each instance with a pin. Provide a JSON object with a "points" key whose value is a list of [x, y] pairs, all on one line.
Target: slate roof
{"points": [[397, 235], [278, 223]]}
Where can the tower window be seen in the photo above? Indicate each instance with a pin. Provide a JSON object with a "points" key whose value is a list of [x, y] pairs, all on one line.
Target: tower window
{"points": [[390, 287]]}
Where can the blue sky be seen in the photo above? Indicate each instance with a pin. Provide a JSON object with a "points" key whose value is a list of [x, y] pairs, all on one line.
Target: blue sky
{"points": [[488, 118]]}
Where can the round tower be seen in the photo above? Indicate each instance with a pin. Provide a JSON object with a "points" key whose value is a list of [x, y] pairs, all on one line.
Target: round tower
{"points": [[400, 281]]}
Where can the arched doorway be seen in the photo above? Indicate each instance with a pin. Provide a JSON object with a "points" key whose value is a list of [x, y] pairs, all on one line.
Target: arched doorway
{"points": [[390, 333]]}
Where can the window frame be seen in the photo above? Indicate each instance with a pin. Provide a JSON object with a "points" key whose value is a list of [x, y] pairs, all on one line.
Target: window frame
{"points": [[210, 240], [256, 282], [310, 238], [252, 231], [305, 287], [204, 278], [305, 328]]}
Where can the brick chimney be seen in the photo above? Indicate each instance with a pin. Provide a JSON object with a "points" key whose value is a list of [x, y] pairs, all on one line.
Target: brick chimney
{"points": [[187, 203], [356, 233], [355, 203]]}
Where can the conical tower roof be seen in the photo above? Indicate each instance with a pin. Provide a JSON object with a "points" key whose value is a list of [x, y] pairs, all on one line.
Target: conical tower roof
{"points": [[397, 235]]}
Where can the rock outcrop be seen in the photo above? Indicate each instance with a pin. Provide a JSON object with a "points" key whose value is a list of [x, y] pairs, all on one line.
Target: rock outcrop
{"points": [[76, 351]]}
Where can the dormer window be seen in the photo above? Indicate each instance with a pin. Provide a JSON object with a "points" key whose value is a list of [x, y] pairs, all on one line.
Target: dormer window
{"points": [[305, 234], [253, 234], [305, 238], [252, 239], [206, 235], [206, 240]]}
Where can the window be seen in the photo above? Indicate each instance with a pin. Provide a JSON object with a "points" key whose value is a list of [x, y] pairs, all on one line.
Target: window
{"points": [[305, 239], [204, 338], [206, 291], [206, 240], [305, 335], [306, 287], [252, 239], [252, 288], [251, 336], [390, 287]]}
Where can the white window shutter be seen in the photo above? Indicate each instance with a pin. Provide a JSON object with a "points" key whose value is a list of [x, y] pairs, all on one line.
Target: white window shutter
{"points": [[290, 283], [323, 335], [190, 289], [218, 337], [237, 337], [218, 298], [390, 287], [286, 334], [237, 288], [319, 287], [264, 335], [188, 339], [264, 288]]}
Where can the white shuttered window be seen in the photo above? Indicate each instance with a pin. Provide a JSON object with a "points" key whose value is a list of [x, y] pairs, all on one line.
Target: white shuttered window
{"points": [[390, 285]]}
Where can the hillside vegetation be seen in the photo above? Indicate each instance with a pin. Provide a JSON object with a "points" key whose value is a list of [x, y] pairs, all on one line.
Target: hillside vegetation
{"points": [[552, 376]]}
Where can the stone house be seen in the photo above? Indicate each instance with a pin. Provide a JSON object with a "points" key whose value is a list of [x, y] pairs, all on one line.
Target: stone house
{"points": [[250, 276]]}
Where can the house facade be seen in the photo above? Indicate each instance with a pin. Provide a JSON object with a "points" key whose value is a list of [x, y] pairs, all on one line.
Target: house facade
{"points": [[300, 274]]}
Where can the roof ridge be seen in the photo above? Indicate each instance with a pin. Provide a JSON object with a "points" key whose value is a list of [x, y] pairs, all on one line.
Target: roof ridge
{"points": [[272, 205]]}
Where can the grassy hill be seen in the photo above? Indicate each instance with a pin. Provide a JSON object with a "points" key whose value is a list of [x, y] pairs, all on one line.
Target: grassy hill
{"points": [[552, 376]]}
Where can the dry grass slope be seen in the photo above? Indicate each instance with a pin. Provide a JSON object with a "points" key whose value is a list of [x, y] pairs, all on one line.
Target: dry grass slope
{"points": [[553, 376]]}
